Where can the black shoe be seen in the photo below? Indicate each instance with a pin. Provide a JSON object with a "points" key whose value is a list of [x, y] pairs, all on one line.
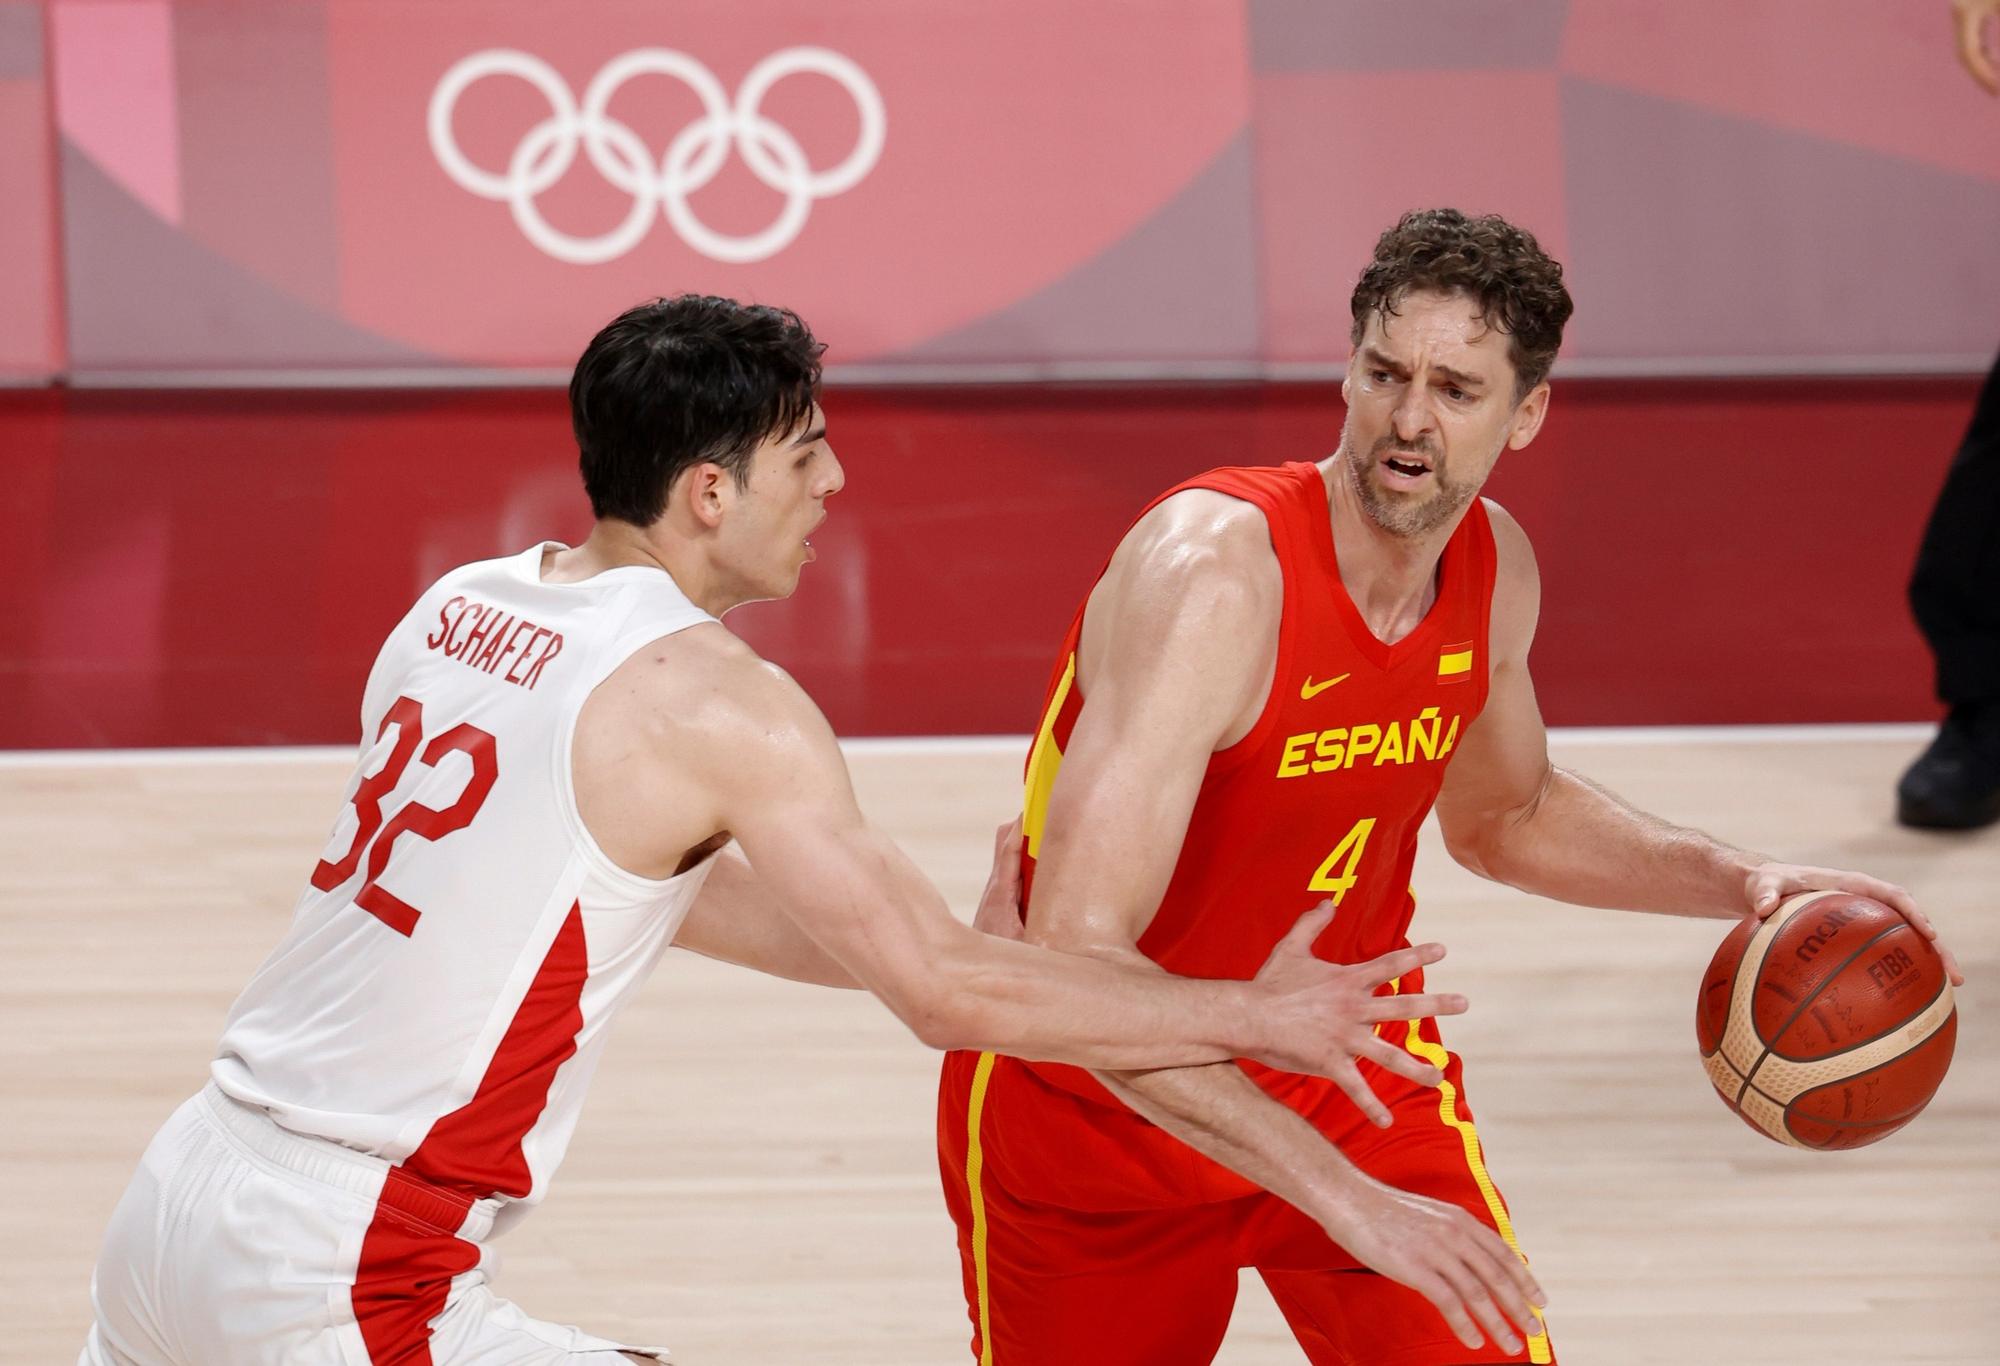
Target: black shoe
{"points": [[1955, 784]]}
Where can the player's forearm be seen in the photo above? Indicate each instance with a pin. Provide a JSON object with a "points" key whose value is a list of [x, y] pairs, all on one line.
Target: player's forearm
{"points": [[1031, 1002], [795, 958], [739, 919], [1221, 1113], [1581, 844]]}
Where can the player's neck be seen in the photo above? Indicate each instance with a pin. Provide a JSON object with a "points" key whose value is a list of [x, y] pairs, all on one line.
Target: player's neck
{"points": [[614, 544], [1391, 579]]}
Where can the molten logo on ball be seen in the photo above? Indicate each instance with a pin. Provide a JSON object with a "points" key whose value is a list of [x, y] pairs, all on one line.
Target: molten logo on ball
{"points": [[1823, 932], [1828, 1025]]}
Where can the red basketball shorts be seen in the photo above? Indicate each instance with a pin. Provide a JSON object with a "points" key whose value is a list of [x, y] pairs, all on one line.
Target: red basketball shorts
{"points": [[1087, 1243]]}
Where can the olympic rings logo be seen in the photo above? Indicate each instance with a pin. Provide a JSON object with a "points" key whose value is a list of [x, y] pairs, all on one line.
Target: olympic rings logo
{"points": [[692, 159]]}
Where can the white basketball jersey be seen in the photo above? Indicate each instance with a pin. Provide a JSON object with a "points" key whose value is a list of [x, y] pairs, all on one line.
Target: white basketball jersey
{"points": [[442, 996]]}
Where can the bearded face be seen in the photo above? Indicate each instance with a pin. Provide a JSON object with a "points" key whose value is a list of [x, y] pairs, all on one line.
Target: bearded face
{"points": [[1431, 403]]}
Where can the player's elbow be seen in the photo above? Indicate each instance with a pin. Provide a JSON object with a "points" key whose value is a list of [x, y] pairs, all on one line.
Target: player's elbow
{"points": [[968, 998], [932, 1007], [950, 1024], [938, 1022], [1497, 840], [1477, 845]]}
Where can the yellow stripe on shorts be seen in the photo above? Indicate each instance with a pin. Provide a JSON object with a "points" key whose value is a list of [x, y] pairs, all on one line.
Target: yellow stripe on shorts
{"points": [[974, 1161], [1434, 1054]]}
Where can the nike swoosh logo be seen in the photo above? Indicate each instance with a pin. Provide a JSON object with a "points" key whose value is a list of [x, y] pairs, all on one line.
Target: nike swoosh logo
{"points": [[1309, 689]]}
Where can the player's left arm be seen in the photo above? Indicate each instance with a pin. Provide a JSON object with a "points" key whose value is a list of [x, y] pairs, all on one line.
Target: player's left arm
{"points": [[1511, 815], [739, 918]]}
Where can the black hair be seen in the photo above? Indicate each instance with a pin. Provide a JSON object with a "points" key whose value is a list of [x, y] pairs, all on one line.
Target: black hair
{"points": [[679, 382]]}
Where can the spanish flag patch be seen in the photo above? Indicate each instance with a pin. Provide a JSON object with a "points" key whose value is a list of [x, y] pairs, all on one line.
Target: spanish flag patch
{"points": [[1455, 663]]}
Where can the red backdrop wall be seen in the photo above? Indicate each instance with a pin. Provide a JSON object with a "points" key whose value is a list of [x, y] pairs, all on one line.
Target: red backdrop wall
{"points": [[195, 569]]}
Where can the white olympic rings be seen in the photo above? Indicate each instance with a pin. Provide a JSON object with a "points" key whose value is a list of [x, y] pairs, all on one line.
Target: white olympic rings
{"points": [[693, 157]]}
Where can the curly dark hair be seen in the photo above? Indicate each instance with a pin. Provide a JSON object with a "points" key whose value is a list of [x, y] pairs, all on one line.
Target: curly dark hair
{"points": [[674, 383], [1518, 287]]}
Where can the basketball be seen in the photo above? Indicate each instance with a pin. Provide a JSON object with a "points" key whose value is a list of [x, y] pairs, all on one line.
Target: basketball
{"points": [[1828, 1024]]}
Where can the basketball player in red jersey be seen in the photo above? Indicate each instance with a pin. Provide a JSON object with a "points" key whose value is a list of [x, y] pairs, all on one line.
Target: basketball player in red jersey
{"points": [[1278, 674]]}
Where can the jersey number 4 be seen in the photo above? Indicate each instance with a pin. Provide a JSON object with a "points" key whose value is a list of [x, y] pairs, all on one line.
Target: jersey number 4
{"points": [[377, 840], [1346, 856]]}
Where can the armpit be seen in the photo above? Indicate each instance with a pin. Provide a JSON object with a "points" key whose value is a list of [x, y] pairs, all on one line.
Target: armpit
{"points": [[706, 849]]}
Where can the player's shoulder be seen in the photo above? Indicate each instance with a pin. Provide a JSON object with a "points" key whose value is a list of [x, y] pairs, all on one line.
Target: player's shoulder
{"points": [[473, 573], [1513, 552], [1509, 537], [704, 687], [1196, 571], [1201, 534], [696, 723], [1517, 582]]}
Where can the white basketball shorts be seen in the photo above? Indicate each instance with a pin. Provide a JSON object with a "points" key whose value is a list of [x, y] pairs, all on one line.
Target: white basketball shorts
{"points": [[239, 1243]]}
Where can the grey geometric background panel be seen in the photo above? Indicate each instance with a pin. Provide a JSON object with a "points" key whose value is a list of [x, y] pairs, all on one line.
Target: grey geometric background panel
{"points": [[1178, 287], [1696, 234], [144, 296], [20, 40], [1405, 35]]}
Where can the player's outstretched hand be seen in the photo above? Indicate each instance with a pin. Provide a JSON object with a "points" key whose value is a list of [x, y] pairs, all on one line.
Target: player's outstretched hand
{"points": [[999, 912], [1771, 883], [1322, 1016], [1444, 1254]]}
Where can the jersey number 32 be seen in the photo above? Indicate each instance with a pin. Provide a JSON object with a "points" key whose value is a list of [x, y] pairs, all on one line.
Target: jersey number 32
{"points": [[378, 840]]}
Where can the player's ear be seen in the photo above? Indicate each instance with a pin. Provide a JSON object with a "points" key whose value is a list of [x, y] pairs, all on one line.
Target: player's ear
{"points": [[1528, 416], [708, 489]]}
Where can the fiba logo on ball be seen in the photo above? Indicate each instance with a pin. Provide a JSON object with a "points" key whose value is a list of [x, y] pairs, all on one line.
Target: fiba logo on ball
{"points": [[692, 158]]}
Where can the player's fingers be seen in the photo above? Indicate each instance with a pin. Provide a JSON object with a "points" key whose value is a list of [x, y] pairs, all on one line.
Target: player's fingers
{"points": [[1472, 1301], [1922, 924], [1524, 1280], [1891, 895], [1399, 963], [1467, 1278], [1440, 1292], [1007, 839], [1907, 906], [1306, 928], [1380, 1008], [1888, 893], [1766, 891], [1507, 1278], [1500, 1306], [1972, 48], [1895, 896], [1390, 1058], [1349, 1079]]}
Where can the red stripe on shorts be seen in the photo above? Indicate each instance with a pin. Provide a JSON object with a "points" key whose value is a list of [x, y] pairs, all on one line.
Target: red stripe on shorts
{"points": [[408, 1256]]}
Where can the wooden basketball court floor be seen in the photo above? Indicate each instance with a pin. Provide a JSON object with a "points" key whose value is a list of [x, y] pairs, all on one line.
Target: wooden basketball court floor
{"points": [[754, 1183]]}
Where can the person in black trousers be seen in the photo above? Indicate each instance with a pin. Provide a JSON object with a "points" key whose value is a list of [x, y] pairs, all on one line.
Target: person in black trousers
{"points": [[1955, 592]]}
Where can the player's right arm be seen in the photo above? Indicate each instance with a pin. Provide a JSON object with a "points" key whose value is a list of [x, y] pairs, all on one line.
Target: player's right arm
{"points": [[739, 919], [695, 735], [1178, 643]]}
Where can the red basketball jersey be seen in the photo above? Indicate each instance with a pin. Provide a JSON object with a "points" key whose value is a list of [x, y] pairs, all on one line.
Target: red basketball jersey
{"points": [[1324, 796]]}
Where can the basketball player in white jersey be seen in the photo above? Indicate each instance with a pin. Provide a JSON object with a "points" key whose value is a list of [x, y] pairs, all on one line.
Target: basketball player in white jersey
{"points": [[567, 764]]}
